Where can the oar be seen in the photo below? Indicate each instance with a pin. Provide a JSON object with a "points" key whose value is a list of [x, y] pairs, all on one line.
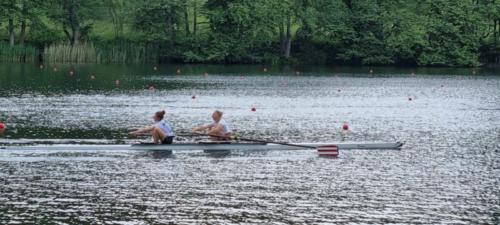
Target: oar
{"points": [[325, 150]]}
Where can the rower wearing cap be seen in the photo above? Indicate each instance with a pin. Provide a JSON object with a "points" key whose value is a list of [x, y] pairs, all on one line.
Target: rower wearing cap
{"points": [[218, 129], [161, 130]]}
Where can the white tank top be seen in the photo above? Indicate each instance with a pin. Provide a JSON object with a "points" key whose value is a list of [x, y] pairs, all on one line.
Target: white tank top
{"points": [[165, 127], [225, 127]]}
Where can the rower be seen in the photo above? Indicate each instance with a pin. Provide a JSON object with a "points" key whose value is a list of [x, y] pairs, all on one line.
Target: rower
{"points": [[161, 130], [218, 129]]}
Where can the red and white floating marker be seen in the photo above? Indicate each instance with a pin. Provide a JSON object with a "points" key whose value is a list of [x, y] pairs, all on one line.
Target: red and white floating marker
{"points": [[328, 150], [253, 109], [193, 97], [92, 77], [345, 126], [117, 82]]}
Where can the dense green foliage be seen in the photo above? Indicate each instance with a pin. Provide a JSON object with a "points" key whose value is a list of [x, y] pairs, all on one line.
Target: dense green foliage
{"points": [[354, 32]]}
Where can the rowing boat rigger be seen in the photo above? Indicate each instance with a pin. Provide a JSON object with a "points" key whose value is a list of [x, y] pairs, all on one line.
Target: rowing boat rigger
{"points": [[207, 146]]}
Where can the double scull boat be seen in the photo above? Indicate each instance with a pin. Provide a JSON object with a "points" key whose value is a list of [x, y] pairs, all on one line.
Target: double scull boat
{"points": [[207, 146]]}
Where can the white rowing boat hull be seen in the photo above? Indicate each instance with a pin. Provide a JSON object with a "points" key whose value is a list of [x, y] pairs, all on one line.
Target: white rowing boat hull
{"points": [[204, 146]]}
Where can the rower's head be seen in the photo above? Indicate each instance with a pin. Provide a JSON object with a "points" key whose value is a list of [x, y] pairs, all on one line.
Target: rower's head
{"points": [[217, 115], [159, 115]]}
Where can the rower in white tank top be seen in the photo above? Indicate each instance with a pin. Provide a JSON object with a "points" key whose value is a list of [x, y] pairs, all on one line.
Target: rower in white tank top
{"points": [[218, 129]]}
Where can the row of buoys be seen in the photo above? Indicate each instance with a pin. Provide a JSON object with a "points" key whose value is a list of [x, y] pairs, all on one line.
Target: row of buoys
{"points": [[179, 71]]}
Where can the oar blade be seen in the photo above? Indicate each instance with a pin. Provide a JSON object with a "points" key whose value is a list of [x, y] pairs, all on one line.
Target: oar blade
{"points": [[328, 150]]}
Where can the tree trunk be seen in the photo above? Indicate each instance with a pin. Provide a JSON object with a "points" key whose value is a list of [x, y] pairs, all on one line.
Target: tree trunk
{"points": [[195, 14], [22, 35], [73, 22], [11, 31], [186, 18], [282, 38], [288, 42]]}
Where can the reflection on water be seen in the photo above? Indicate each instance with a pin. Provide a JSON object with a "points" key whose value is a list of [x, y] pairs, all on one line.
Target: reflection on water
{"points": [[447, 172]]}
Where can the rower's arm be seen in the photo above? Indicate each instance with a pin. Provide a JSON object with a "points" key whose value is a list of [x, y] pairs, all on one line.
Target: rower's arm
{"points": [[201, 128], [142, 130]]}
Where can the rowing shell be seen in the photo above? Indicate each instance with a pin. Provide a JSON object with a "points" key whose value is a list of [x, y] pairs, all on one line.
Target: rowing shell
{"points": [[204, 146]]}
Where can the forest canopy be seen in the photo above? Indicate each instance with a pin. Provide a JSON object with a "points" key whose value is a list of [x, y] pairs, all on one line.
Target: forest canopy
{"points": [[347, 32]]}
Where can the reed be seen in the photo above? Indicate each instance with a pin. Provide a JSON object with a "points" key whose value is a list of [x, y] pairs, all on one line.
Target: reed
{"points": [[17, 53], [121, 52]]}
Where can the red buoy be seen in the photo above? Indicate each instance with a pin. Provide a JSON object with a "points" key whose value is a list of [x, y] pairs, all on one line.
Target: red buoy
{"points": [[339, 90], [2, 126], [151, 87], [410, 98], [253, 109], [193, 97], [345, 126], [117, 82]]}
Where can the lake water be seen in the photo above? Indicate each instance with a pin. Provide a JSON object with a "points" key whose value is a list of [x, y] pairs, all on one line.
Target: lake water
{"points": [[448, 171]]}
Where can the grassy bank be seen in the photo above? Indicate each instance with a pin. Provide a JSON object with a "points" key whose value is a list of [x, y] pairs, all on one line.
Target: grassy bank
{"points": [[103, 53], [17, 53]]}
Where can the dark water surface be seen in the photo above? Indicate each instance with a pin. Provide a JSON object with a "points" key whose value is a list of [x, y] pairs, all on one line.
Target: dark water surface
{"points": [[448, 172]]}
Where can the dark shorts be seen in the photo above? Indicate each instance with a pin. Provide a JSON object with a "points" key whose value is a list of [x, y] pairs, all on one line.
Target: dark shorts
{"points": [[167, 140]]}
